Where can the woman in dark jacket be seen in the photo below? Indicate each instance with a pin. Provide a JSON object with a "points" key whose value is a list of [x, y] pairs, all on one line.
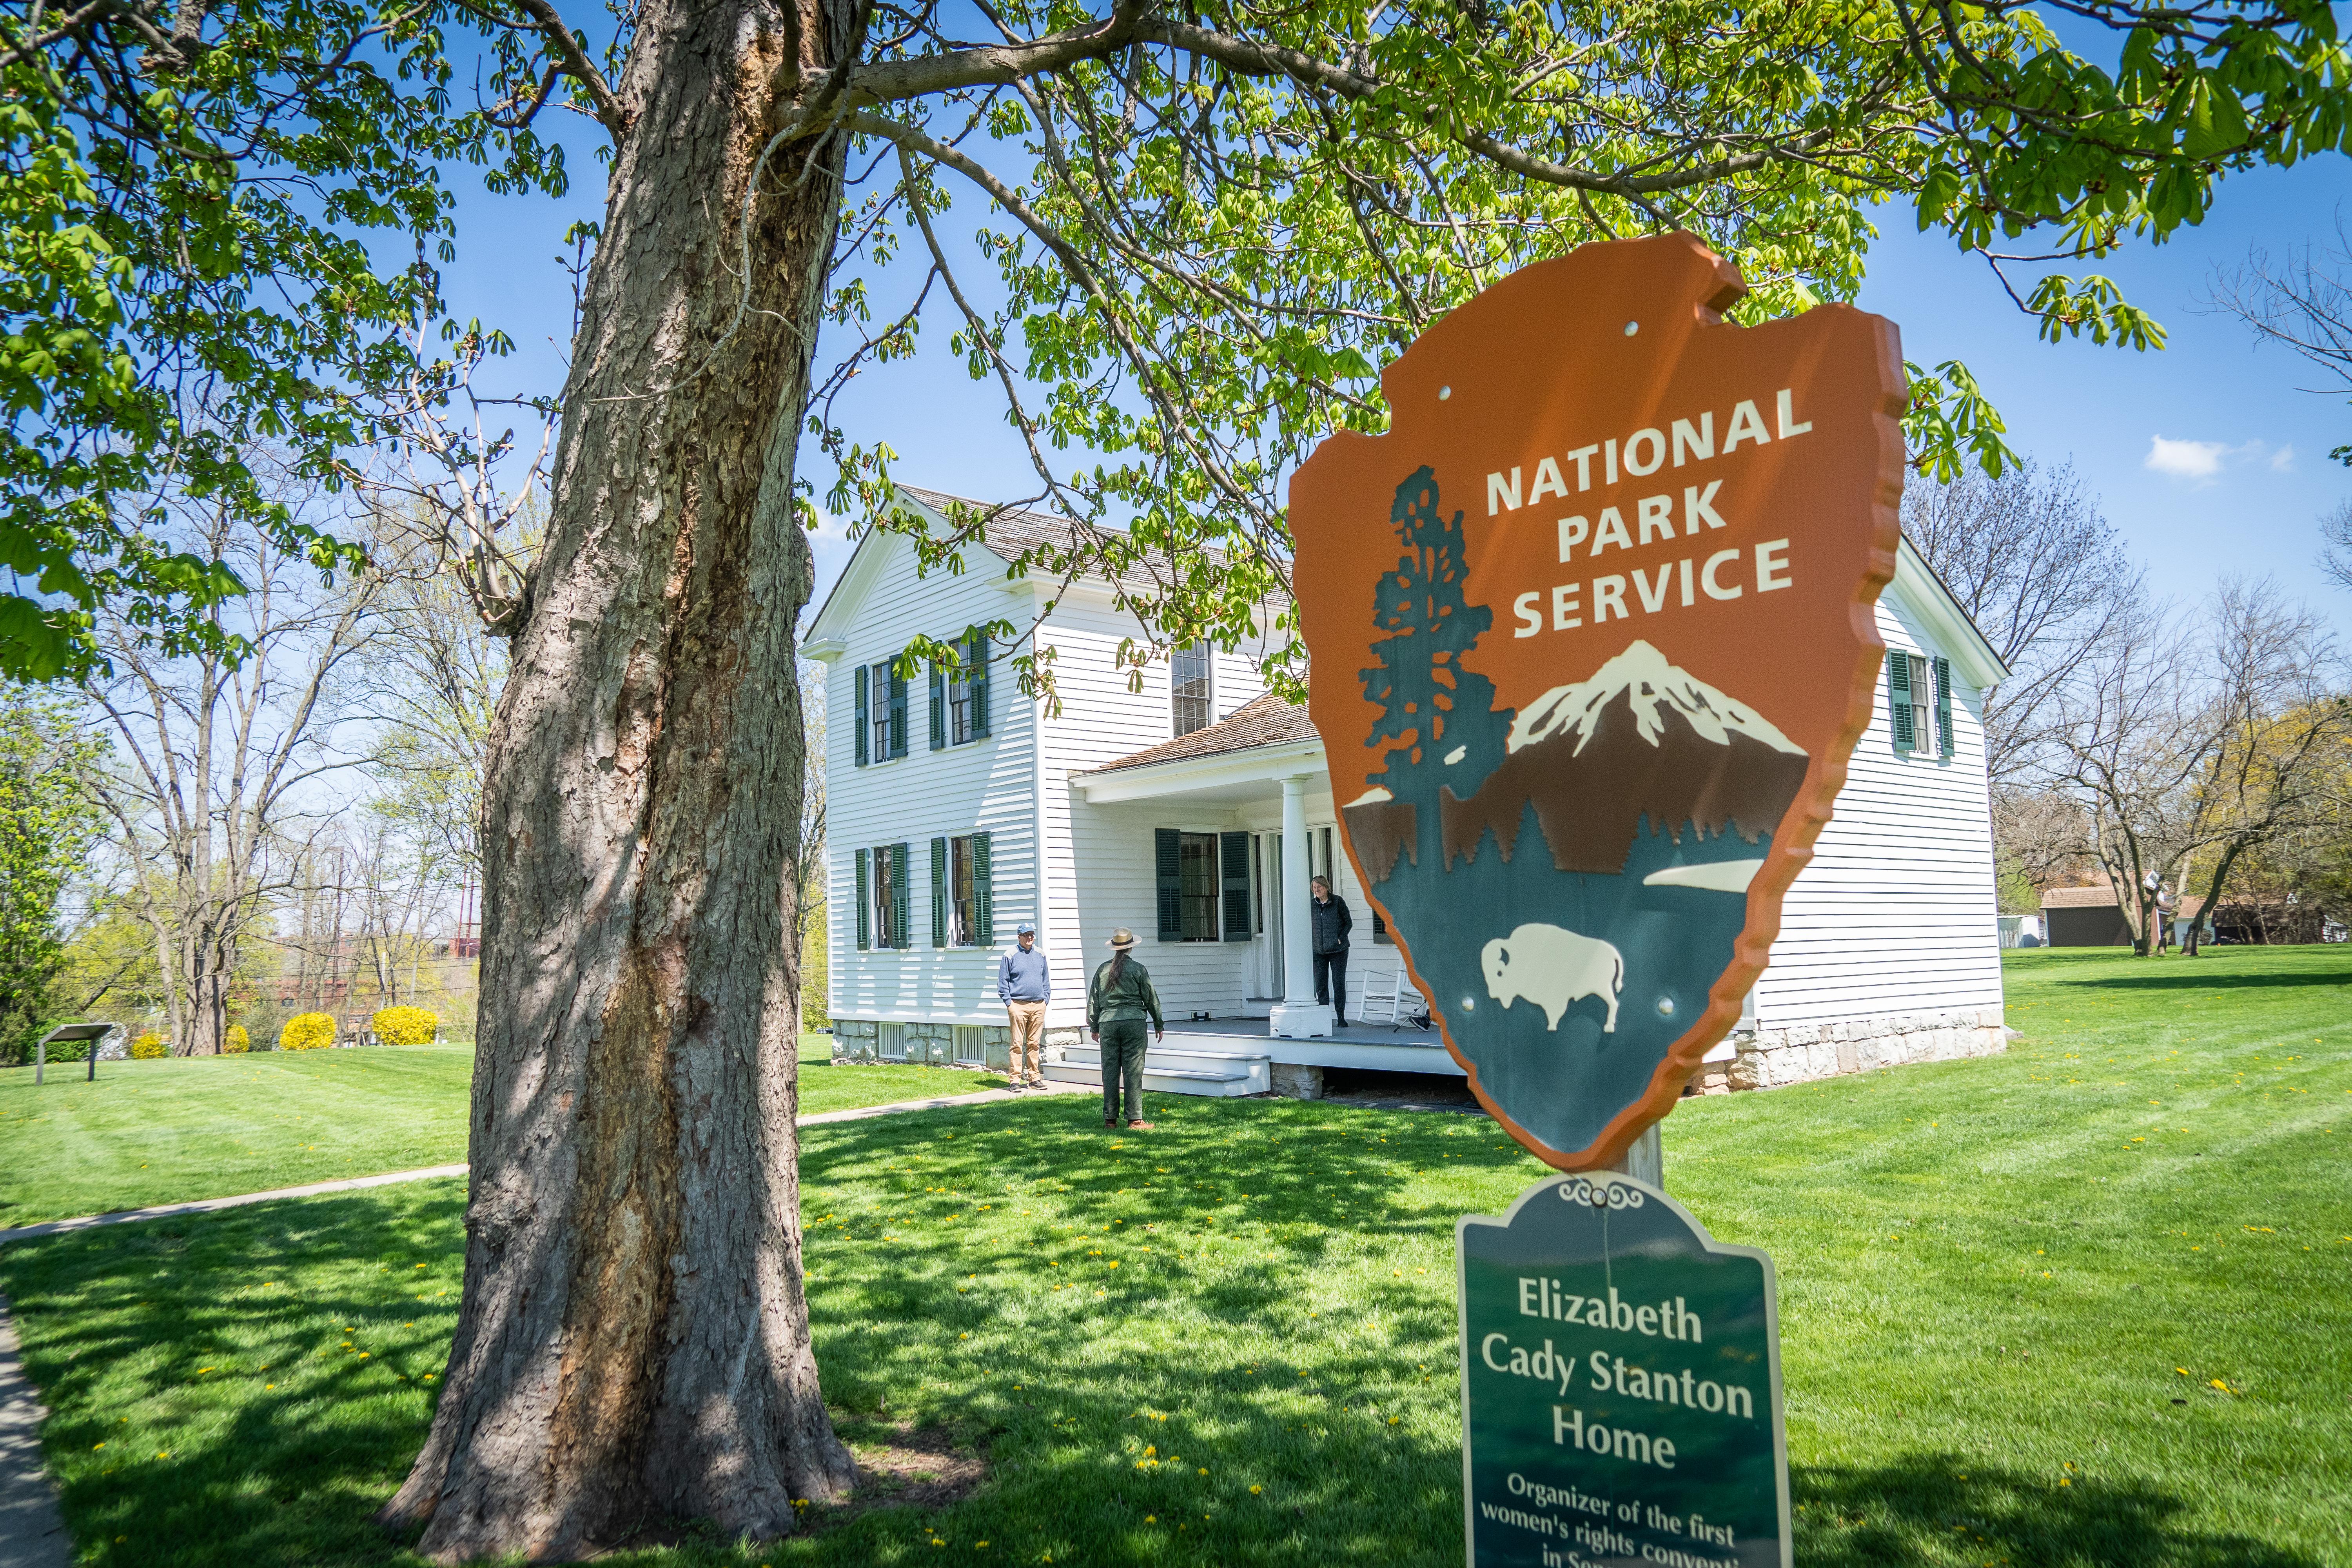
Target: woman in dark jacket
{"points": [[1332, 922], [1118, 1002]]}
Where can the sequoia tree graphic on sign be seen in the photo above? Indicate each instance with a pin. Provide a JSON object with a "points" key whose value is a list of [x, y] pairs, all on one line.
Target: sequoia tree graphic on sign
{"points": [[1592, 640]]}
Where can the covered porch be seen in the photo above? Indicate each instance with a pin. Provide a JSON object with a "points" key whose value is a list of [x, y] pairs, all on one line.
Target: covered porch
{"points": [[1213, 837]]}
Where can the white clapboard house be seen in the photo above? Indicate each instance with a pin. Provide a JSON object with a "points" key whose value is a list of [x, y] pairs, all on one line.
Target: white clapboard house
{"points": [[957, 808]]}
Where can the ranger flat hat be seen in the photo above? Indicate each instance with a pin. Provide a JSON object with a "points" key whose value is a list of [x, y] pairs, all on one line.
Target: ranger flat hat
{"points": [[1122, 939]]}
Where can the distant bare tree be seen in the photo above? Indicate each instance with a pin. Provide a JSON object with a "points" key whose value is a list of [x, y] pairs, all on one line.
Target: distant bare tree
{"points": [[2276, 772], [430, 682], [2302, 303], [2037, 567], [213, 756], [2335, 543], [2218, 750], [2041, 832]]}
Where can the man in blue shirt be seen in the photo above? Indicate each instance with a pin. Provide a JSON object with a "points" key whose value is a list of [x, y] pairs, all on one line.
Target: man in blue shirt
{"points": [[1024, 985]]}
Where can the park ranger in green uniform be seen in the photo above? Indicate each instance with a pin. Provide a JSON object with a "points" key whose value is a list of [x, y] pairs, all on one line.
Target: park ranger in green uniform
{"points": [[1117, 1002]]}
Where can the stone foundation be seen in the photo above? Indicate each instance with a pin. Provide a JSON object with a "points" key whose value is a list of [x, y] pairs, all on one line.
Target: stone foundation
{"points": [[933, 1045], [1294, 1081], [1773, 1059]]}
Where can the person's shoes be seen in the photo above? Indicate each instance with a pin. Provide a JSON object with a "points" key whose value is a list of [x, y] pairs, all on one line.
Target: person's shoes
{"points": [[1109, 1123], [1139, 1127]]}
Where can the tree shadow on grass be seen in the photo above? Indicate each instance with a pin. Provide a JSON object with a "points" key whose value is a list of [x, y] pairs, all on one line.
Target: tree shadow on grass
{"points": [[156, 1344], [1346, 1422], [1097, 1406], [1102, 1403], [1943, 1509]]}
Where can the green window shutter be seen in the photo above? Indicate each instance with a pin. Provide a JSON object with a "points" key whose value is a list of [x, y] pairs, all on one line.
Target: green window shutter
{"points": [[938, 893], [980, 683], [897, 712], [983, 891], [1381, 929], [1232, 866], [1942, 707], [939, 707], [859, 679], [899, 858], [1899, 698], [1167, 861], [865, 896]]}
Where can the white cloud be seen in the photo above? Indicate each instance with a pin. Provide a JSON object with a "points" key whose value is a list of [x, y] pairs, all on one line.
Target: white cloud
{"points": [[2201, 462], [2185, 459]]}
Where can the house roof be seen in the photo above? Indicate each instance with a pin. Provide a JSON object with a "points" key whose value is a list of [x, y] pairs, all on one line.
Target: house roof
{"points": [[1007, 532], [1011, 531], [1265, 721], [1956, 633], [2105, 899]]}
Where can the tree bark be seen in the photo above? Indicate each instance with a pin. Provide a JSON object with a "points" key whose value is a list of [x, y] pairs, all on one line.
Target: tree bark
{"points": [[634, 1338], [2212, 904]]}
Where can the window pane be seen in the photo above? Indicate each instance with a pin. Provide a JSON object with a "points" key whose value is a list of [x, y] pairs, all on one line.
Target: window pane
{"points": [[885, 935], [961, 880], [1188, 675], [1923, 706], [1198, 866], [960, 707]]}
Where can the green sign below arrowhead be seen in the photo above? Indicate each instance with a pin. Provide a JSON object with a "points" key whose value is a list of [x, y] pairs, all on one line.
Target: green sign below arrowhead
{"points": [[1621, 1386]]}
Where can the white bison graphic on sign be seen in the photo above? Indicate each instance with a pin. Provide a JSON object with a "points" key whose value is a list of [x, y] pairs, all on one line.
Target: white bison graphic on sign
{"points": [[1553, 968]]}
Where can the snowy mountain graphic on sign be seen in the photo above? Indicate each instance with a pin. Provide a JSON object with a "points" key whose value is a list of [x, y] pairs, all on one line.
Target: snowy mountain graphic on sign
{"points": [[1655, 690], [1639, 740]]}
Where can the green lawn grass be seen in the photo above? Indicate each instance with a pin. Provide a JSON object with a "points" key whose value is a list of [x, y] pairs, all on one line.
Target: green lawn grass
{"points": [[2027, 1319], [167, 1131]]}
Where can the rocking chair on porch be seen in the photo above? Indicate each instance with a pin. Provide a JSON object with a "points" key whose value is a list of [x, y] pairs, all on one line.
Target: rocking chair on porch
{"points": [[1387, 1003]]}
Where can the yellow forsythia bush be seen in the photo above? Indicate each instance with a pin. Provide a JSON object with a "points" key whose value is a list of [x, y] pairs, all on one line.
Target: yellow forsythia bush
{"points": [[148, 1048], [406, 1026], [307, 1032], [238, 1041]]}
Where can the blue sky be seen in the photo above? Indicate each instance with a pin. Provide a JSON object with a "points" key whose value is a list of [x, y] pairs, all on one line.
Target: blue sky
{"points": [[2237, 486]]}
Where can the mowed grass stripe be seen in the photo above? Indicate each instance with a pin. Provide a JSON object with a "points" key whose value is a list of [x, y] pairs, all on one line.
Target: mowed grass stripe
{"points": [[1985, 1287]]}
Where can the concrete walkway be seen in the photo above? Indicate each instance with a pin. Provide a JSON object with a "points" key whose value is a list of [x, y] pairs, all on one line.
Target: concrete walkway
{"points": [[32, 1531]]}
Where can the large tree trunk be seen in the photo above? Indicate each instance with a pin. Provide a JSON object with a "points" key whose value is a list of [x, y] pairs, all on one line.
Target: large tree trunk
{"points": [[211, 964], [633, 1340]]}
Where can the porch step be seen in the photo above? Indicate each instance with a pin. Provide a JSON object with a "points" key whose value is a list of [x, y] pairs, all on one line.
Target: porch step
{"points": [[1170, 1071]]}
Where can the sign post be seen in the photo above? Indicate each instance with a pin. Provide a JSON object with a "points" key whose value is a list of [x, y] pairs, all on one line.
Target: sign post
{"points": [[1620, 1393], [1594, 637]]}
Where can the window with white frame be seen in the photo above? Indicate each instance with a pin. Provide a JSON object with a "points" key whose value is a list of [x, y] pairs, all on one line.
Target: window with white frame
{"points": [[888, 877], [963, 888], [1202, 886], [1189, 688], [1920, 703]]}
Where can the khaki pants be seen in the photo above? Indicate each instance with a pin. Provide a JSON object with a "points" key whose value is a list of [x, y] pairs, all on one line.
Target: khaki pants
{"points": [[1029, 1035]]}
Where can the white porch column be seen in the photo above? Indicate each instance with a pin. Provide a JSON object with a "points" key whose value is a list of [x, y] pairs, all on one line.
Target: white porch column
{"points": [[1299, 1016]]}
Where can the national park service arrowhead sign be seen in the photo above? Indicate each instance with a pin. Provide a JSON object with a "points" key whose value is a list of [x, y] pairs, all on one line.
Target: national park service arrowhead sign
{"points": [[1592, 639]]}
